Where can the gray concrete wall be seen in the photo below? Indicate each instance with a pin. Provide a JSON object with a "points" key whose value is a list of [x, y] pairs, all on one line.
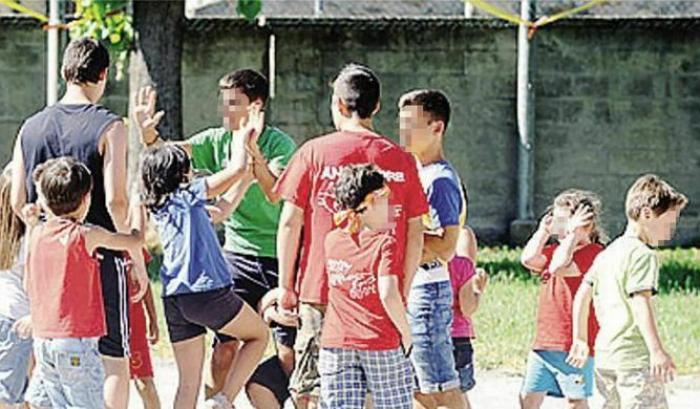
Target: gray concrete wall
{"points": [[612, 101]]}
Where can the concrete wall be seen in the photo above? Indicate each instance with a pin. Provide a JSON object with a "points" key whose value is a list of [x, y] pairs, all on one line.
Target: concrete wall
{"points": [[613, 101]]}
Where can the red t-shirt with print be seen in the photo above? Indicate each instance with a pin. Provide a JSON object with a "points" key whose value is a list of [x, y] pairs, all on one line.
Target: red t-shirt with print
{"points": [[554, 313], [355, 316], [309, 180]]}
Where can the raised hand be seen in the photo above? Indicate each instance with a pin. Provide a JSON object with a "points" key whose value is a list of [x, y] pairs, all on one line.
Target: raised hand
{"points": [[145, 115], [545, 225], [579, 221]]}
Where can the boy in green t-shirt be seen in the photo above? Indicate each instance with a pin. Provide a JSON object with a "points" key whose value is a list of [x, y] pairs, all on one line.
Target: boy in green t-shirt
{"points": [[631, 363], [251, 230]]}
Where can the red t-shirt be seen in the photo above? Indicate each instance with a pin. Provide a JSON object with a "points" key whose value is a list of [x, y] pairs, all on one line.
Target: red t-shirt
{"points": [[554, 314], [309, 182], [63, 283], [355, 316]]}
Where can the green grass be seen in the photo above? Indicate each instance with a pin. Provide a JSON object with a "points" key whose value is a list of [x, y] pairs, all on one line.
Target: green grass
{"points": [[505, 326]]}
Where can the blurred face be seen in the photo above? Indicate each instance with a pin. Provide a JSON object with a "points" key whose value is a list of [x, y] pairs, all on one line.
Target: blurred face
{"points": [[234, 107], [659, 229], [378, 214], [418, 133], [560, 218]]}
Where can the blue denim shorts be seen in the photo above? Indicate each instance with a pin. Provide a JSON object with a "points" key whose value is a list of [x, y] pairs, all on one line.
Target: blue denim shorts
{"points": [[464, 362], [430, 318], [547, 371], [69, 374], [14, 363]]}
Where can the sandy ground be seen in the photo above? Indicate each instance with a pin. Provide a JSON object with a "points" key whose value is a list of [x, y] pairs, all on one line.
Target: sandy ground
{"points": [[494, 390]]}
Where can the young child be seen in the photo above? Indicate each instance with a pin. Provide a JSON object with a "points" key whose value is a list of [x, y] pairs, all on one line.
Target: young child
{"points": [[366, 337], [64, 287], [574, 221], [15, 348], [142, 334], [631, 362], [468, 285], [197, 289]]}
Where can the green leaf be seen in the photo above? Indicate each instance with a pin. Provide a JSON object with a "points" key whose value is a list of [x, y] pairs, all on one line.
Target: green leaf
{"points": [[249, 8]]}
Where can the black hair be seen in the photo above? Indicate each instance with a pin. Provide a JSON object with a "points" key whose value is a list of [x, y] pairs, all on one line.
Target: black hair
{"points": [[84, 60], [63, 183], [163, 170], [252, 83], [433, 102], [359, 88], [355, 183]]}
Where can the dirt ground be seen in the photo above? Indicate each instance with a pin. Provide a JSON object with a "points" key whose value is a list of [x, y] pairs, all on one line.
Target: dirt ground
{"points": [[494, 390]]}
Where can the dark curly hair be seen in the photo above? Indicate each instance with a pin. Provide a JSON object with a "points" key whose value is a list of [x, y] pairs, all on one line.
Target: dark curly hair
{"points": [[63, 183], [163, 170], [355, 183]]}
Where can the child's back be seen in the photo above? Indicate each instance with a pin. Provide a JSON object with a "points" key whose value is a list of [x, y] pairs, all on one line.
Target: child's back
{"points": [[64, 283]]}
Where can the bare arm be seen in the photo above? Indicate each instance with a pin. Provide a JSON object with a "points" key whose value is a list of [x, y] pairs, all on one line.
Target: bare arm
{"points": [[414, 249], [229, 201], [442, 246], [288, 238], [661, 364], [391, 300], [266, 178], [579, 353], [114, 150], [468, 298], [18, 191], [562, 260], [532, 257]]}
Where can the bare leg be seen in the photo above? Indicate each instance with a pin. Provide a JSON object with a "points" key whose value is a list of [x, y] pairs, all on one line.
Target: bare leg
{"points": [[578, 403], [222, 358], [147, 390], [532, 400], [189, 356], [116, 390], [286, 356], [261, 397], [252, 331], [452, 399]]}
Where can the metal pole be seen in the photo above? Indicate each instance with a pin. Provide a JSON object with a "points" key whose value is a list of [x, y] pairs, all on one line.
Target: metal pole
{"points": [[52, 54], [526, 115], [318, 8]]}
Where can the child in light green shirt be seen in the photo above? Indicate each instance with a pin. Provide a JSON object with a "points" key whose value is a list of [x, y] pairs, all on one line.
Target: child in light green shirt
{"points": [[631, 363]]}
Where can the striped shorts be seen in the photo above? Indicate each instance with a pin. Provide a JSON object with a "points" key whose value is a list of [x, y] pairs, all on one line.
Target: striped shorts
{"points": [[347, 376]]}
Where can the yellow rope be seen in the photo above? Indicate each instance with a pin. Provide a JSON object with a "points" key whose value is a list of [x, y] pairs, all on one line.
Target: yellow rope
{"points": [[25, 10], [516, 19]]}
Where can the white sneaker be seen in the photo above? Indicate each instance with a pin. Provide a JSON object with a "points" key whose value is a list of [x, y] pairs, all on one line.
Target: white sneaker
{"points": [[218, 401]]}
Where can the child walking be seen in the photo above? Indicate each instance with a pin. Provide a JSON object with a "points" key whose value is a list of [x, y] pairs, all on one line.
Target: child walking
{"points": [[197, 288], [64, 287], [366, 337], [573, 221], [15, 344], [631, 362]]}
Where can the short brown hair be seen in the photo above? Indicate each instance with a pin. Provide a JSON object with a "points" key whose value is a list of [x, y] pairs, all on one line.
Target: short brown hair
{"points": [[656, 194], [63, 183], [84, 60], [253, 84]]}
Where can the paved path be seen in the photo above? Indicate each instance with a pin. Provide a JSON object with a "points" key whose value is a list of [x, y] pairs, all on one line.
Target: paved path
{"points": [[494, 390]]}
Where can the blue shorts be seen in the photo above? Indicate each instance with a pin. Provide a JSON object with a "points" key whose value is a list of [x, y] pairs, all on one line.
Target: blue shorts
{"points": [[69, 374], [464, 363], [547, 371], [14, 363], [430, 318]]}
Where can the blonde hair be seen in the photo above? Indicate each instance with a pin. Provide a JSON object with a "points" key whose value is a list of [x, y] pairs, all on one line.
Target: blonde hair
{"points": [[572, 199], [656, 194], [11, 226]]}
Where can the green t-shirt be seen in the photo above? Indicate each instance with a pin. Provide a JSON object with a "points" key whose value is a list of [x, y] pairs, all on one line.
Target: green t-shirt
{"points": [[252, 227], [625, 267]]}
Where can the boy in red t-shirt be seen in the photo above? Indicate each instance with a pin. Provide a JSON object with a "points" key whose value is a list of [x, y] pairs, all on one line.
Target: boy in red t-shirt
{"points": [[573, 219], [308, 188], [365, 336], [64, 287]]}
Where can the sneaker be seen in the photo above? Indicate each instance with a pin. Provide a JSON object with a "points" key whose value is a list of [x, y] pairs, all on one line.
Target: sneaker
{"points": [[218, 401]]}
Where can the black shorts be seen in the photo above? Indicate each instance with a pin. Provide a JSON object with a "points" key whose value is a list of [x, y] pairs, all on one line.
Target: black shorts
{"points": [[115, 296], [189, 315], [253, 277], [270, 375]]}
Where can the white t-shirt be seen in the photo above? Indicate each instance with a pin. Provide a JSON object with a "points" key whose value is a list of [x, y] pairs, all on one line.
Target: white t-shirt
{"points": [[14, 303]]}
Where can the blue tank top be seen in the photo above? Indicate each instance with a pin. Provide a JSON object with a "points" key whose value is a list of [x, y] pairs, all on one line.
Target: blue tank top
{"points": [[69, 130]]}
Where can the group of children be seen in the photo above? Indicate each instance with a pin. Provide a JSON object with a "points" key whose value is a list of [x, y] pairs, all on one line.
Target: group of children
{"points": [[377, 268]]}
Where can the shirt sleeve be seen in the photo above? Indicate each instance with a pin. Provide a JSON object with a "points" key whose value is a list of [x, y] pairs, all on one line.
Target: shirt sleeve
{"points": [[642, 273], [417, 202], [445, 201], [203, 155], [389, 263], [294, 184], [281, 153]]}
